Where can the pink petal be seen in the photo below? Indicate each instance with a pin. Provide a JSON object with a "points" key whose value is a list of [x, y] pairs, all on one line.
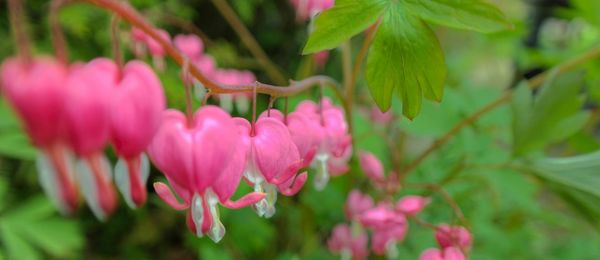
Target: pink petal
{"points": [[165, 193], [412, 205], [274, 149], [431, 254], [246, 200], [136, 110], [293, 186], [190, 44]]}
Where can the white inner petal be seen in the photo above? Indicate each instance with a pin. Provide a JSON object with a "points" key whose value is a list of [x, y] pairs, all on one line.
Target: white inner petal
{"points": [[391, 250], [217, 230], [197, 213], [199, 90], [322, 176], [226, 102], [88, 185], [49, 181], [122, 181], [242, 104]]}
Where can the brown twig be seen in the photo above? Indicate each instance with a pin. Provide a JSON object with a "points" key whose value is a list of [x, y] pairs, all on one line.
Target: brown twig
{"points": [[130, 15], [238, 26], [58, 38], [116, 41], [17, 21]]}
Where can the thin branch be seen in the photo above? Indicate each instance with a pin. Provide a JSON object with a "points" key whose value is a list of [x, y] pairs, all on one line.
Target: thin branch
{"points": [[58, 38], [130, 15], [238, 26], [534, 83]]}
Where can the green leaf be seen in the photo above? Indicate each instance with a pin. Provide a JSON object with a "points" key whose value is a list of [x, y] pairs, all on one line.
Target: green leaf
{"points": [[475, 15], [580, 172], [344, 20], [553, 115], [405, 57]]}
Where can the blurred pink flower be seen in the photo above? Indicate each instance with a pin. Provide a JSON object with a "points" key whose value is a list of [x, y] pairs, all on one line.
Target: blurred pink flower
{"points": [[453, 236], [356, 204], [412, 205], [371, 166], [381, 117], [449, 253], [343, 241], [190, 44]]}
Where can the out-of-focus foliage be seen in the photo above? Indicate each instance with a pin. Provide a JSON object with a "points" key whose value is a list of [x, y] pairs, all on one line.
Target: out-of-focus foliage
{"points": [[534, 208]]}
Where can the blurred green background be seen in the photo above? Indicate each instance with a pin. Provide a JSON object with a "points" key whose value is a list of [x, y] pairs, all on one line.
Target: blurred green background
{"points": [[513, 213]]}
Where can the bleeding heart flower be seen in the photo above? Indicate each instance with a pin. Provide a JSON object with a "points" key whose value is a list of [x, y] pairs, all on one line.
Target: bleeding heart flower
{"points": [[371, 166], [272, 161], [357, 203], [135, 116], [190, 44], [453, 236], [389, 227], [235, 77], [87, 118], [305, 9], [203, 168], [449, 253], [350, 243], [138, 42], [335, 148], [412, 205], [156, 49], [36, 90]]}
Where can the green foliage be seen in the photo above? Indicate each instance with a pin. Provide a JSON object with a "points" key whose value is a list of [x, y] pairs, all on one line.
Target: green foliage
{"points": [[397, 62], [346, 19], [476, 15], [552, 115], [13, 141], [33, 228]]}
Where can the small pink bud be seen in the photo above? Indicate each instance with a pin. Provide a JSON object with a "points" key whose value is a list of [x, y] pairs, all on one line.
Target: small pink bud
{"points": [[357, 203], [371, 166], [453, 236], [412, 205], [190, 44]]}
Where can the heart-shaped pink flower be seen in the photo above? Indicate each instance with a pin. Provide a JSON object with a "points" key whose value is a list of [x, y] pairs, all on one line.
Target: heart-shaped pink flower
{"points": [[356, 204], [204, 163], [371, 166], [449, 253], [136, 111], [344, 241], [87, 118], [272, 160], [412, 205], [453, 236], [36, 90]]}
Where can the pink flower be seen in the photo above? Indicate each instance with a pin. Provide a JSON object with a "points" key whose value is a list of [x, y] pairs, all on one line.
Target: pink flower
{"points": [[389, 227], [321, 58], [371, 166], [305, 133], [135, 116], [357, 203], [87, 117], [204, 163], [190, 44], [335, 143], [156, 49], [381, 117], [412, 205], [449, 253], [36, 90], [345, 241], [235, 77], [272, 161], [453, 236]]}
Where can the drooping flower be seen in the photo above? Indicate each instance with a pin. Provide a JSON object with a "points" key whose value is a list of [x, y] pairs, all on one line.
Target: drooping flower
{"points": [[272, 161], [235, 77], [88, 127], [191, 45], [449, 253], [356, 204], [153, 46], [204, 162], [350, 243], [371, 166], [412, 205], [453, 236], [389, 227], [335, 143], [36, 90], [136, 110]]}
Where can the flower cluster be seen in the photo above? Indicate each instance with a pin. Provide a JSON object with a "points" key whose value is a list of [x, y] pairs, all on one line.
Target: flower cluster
{"points": [[192, 46], [387, 222], [78, 110], [205, 159]]}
